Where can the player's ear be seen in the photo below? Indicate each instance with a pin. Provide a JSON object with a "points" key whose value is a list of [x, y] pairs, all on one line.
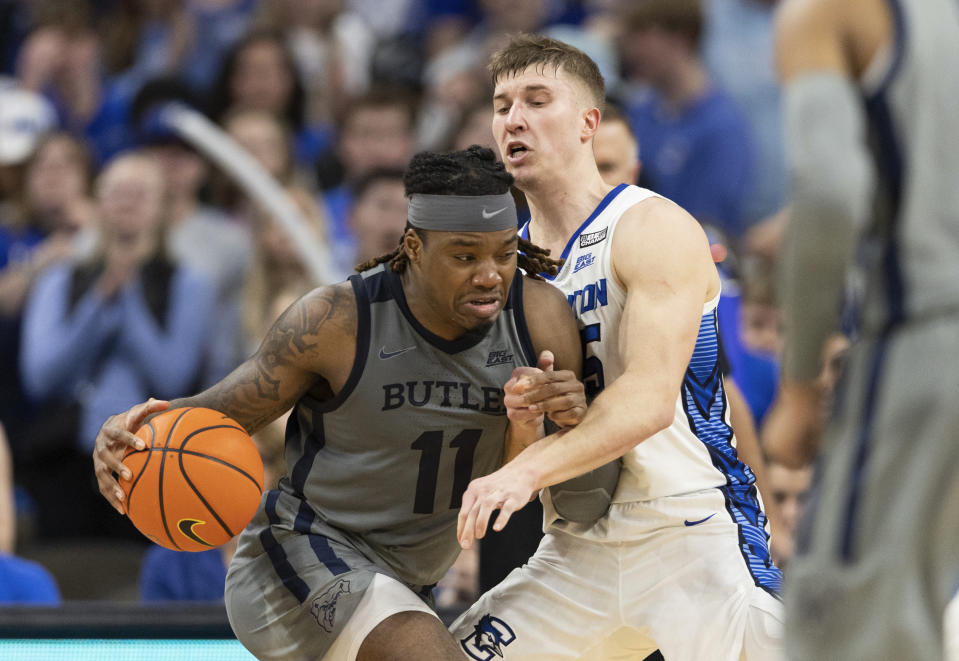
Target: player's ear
{"points": [[413, 246], [591, 119]]}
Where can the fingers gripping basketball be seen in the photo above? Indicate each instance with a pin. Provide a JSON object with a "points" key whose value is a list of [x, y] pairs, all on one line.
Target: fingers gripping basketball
{"points": [[198, 481]]}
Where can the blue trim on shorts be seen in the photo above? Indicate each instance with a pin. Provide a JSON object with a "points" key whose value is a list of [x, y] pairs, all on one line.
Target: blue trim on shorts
{"points": [[862, 446], [321, 546], [281, 564], [705, 404]]}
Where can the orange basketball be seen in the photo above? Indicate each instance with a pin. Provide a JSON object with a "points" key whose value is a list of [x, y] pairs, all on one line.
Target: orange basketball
{"points": [[198, 481]]}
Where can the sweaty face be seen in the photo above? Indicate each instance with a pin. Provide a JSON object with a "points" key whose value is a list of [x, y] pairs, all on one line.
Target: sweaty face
{"points": [[466, 279], [538, 118]]}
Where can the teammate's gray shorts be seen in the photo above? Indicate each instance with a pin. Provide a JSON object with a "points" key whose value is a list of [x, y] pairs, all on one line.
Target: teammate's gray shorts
{"points": [[309, 597], [878, 552]]}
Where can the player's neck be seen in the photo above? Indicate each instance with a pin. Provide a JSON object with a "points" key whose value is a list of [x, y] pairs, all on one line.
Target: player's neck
{"points": [[559, 208], [424, 309]]}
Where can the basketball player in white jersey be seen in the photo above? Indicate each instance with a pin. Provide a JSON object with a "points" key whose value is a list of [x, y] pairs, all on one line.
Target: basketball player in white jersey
{"points": [[872, 109], [680, 562], [617, 154]]}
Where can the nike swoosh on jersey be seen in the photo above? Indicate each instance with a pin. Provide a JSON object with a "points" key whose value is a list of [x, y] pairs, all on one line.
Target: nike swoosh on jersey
{"points": [[384, 354], [489, 214], [696, 523]]}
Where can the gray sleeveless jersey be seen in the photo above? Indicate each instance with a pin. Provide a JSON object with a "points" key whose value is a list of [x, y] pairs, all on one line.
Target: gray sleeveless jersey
{"points": [[912, 97], [383, 465]]}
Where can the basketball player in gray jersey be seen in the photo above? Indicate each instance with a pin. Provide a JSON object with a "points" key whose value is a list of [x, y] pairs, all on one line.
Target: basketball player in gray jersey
{"points": [[872, 92], [396, 382]]}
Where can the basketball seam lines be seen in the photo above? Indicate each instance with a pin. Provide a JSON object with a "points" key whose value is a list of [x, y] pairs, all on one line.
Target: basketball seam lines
{"points": [[166, 442], [143, 468], [203, 455], [186, 477], [154, 446]]}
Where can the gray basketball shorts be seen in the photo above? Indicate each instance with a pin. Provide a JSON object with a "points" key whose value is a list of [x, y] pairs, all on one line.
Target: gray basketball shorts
{"points": [[305, 596], [876, 561]]}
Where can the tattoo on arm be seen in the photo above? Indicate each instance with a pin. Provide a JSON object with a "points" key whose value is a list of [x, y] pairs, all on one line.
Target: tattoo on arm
{"points": [[271, 381]]}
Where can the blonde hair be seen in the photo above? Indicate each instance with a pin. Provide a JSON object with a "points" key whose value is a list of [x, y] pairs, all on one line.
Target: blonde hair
{"points": [[526, 50]]}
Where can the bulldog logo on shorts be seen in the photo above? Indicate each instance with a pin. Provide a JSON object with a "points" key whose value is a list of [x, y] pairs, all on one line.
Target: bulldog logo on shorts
{"points": [[324, 606], [489, 637]]}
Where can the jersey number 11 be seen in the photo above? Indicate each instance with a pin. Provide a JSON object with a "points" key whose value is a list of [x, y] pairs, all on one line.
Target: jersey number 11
{"points": [[430, 443]]}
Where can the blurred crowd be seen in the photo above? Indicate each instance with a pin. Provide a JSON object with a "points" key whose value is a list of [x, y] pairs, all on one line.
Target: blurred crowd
{"points": [[132, 266]]}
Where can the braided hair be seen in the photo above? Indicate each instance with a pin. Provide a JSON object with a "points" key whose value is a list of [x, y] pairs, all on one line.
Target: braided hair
{"points": [[471, 171]]}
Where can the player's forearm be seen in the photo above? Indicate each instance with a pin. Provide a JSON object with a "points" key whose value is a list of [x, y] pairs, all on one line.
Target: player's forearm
{"points": [[251, 395], [831, 183], [252, 416], [613, 425], [520, 436]]}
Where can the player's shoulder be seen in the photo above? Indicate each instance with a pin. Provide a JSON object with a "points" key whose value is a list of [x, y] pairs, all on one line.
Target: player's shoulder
{"points": [[803, 14], [655, 233], [551, 323], [541, 298], [326, 310], [656, 216], [807, 32]]}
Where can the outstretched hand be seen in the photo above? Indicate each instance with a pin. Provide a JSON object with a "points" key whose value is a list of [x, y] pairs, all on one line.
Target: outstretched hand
{"points": [[535, 392], [504, 490], [115, 436]]}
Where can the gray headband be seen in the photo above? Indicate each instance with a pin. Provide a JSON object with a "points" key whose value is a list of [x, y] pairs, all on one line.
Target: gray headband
{"points": [[463, 213]]}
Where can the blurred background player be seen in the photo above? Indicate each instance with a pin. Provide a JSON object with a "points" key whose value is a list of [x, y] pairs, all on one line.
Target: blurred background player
{"points": [[873, 142]]}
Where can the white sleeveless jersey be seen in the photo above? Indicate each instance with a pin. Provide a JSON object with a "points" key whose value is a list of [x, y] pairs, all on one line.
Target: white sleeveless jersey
{"points": [[697, 451], [688, 469]]}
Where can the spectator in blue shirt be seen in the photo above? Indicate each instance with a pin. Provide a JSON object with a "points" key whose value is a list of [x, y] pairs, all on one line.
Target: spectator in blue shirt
{"points": [[62, 59], [696, 144], [21, 581], [37, 229], [104, 333]]}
